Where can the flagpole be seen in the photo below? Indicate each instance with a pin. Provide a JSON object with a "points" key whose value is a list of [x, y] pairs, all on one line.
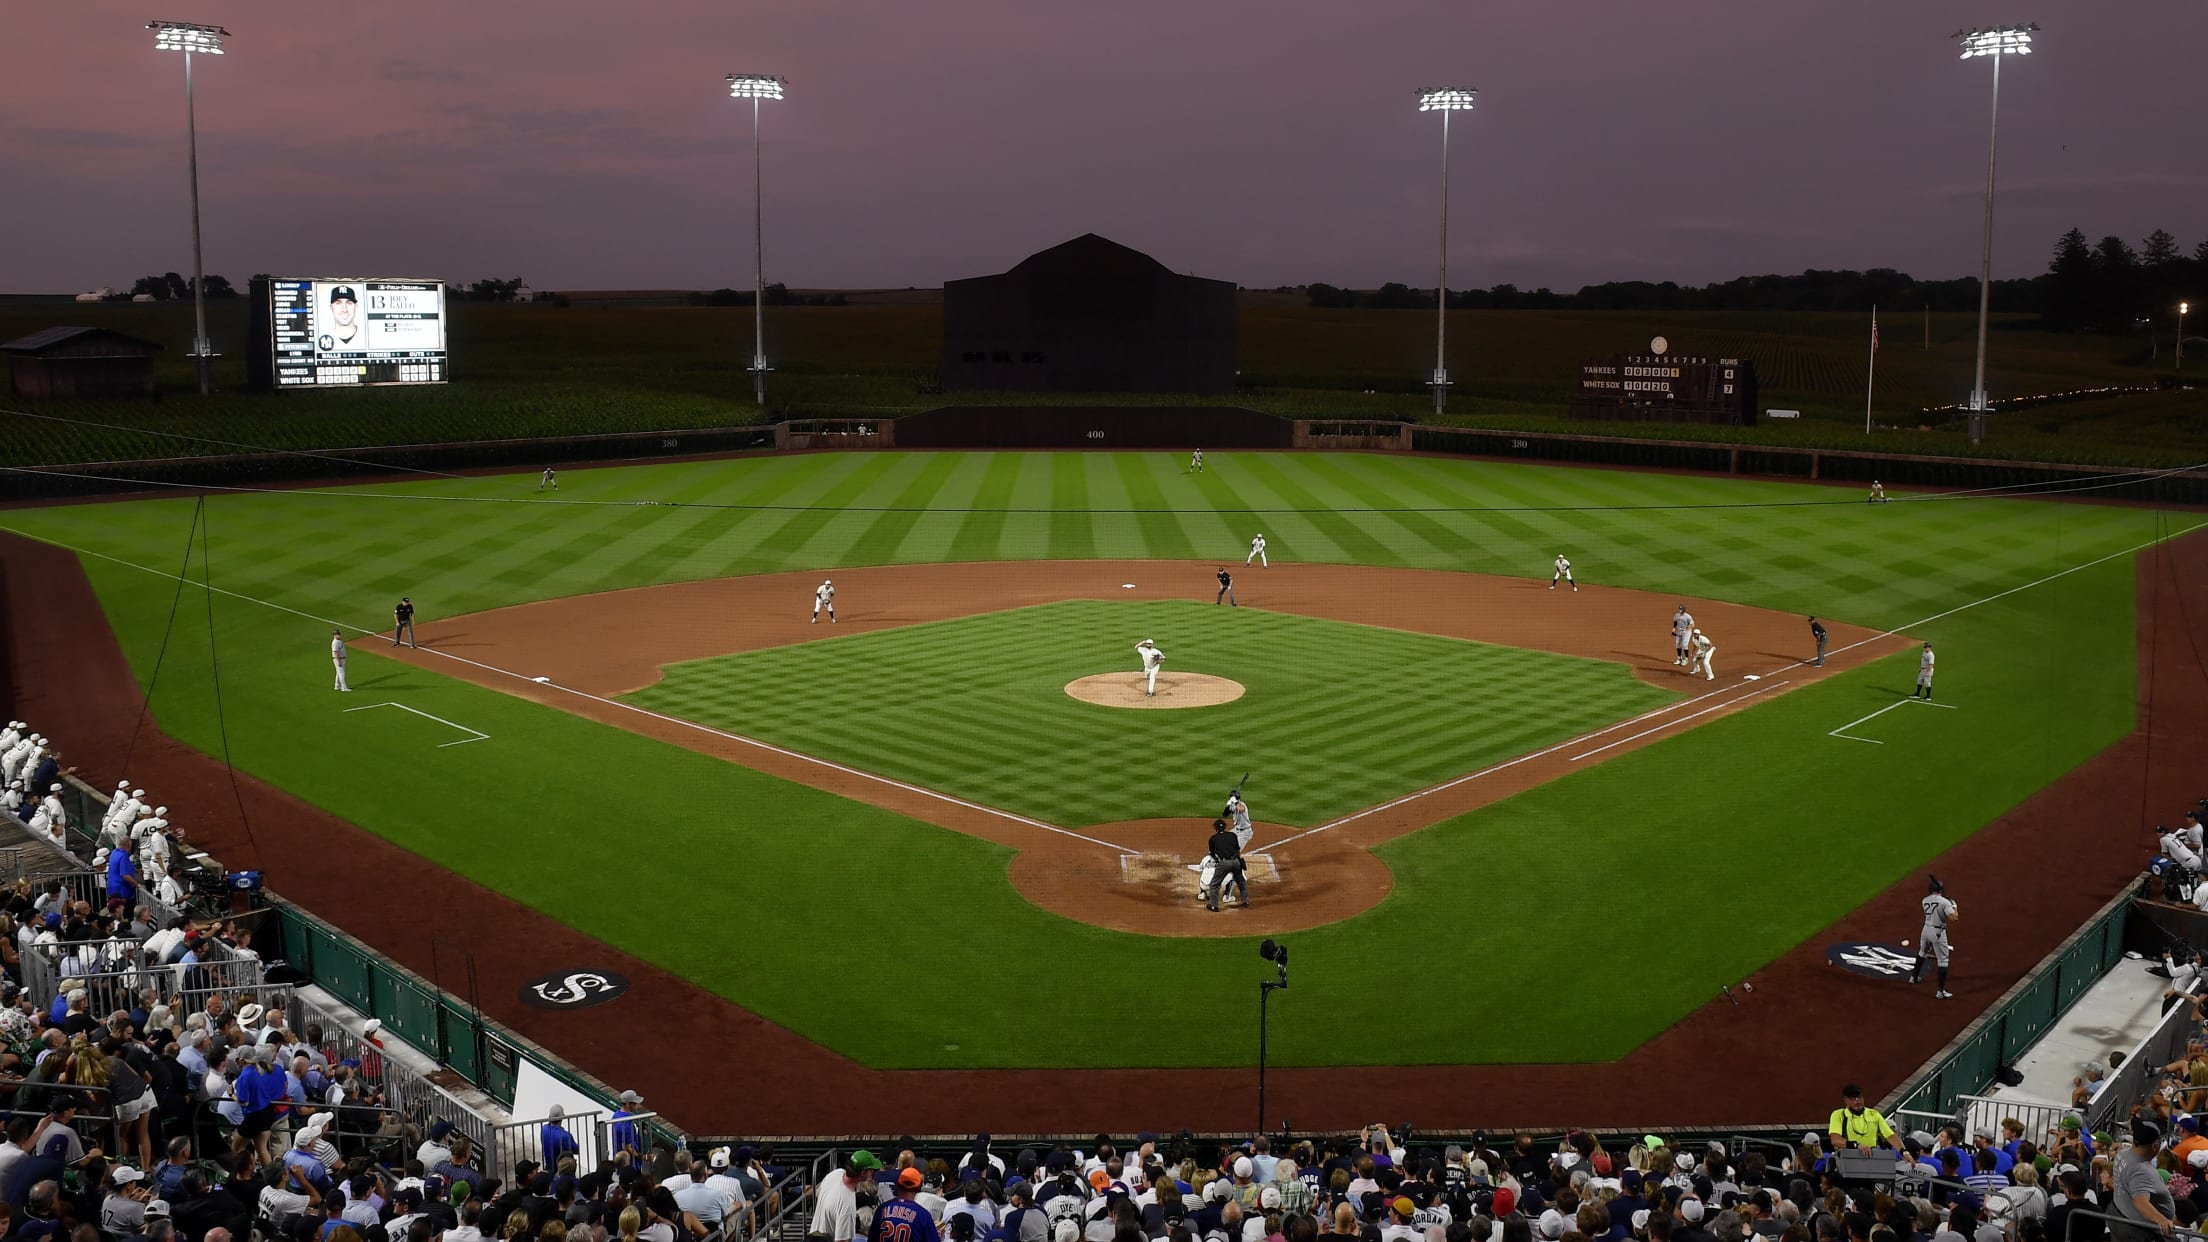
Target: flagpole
{"points": [[1871, 380]]}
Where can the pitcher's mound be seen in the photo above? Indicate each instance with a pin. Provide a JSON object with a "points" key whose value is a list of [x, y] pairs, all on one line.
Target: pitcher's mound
{"points": [[1174, 690]]}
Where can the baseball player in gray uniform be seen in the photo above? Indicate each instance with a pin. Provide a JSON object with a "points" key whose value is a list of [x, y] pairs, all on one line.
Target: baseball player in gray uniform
{"points": [[1939, 911], [1151, 659], [1924, 674], [1682, 636], [337, 657], [824, 596], [1238, 814]]}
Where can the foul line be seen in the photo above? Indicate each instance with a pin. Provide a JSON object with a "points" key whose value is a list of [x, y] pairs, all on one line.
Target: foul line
{"points": [[1588, 737], [1718, 707], [1842, 731], [480, 736], [1036, 823], [769, 747]]}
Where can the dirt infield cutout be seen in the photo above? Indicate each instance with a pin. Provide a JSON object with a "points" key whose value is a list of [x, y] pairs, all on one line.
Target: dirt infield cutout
{"points": [[1322, 873], [1174, 690]]}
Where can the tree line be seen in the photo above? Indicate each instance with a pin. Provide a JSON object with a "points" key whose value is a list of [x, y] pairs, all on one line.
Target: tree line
{"points": [[2103, 285]]}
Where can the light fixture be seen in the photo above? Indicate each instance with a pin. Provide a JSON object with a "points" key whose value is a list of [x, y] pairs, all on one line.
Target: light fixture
{"points": [[755, 86], [1447, 99], [1998, 40], [187, 37]]}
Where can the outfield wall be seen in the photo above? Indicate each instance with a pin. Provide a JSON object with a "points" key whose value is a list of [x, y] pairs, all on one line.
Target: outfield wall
{"points": [[1094, 427], [2170, 487]]}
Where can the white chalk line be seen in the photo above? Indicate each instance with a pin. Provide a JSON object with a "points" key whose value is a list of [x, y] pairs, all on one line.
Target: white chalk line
{"points": [[1842, 731], [480, 736], [943, 797], [1760, 689], [769, 747], [1588, 737]]}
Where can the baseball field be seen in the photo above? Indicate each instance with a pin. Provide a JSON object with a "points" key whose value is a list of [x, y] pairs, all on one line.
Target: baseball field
{"points": [[901, 839]]}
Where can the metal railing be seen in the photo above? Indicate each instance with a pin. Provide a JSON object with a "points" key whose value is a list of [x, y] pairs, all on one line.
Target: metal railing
{"points": [[1988, 1111], [525, 1140], [417, 1101], [2142, 1070], [2121, 1229], [785, 1209], [2023, 1014]]}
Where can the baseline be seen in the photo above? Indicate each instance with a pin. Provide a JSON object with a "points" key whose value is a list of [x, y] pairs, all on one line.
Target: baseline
{"points": [[1842, 731]]}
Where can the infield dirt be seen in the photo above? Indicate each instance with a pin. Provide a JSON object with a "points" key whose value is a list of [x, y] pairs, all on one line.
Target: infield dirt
{"points": [[592, 648], [1776, 1057]]}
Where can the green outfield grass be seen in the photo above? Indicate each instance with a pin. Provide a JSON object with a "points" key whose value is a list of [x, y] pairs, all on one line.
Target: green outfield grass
{"points": [[1735, 840], [1337, 716], [528, 371]]}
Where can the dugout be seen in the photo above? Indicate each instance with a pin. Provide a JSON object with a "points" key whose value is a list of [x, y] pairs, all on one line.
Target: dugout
{"points": [[1089, 315], [63, 363]]}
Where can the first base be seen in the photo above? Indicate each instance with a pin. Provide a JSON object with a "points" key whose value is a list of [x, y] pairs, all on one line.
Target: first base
{"points": [[1126, 586], [1750, 677], [542, 681]]}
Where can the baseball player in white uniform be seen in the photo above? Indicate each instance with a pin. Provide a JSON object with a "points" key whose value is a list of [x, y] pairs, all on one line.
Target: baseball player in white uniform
{"points": [[1151, 659], [550, 480], [1257, 553], [824, 596], [1939, 911], [1196, 461], [1704, 649], [1924, 674], [1682, 636], [337, 657], [1563, 573]]}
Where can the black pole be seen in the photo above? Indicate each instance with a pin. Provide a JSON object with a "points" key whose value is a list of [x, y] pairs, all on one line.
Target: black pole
{"points": [[1264, 995]]}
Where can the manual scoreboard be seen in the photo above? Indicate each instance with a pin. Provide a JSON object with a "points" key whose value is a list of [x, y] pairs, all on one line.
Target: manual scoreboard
{"points": [[1667, 388]]}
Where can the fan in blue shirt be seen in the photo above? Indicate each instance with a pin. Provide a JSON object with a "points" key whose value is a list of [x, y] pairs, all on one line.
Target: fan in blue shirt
{"points": [[901, 1219]]}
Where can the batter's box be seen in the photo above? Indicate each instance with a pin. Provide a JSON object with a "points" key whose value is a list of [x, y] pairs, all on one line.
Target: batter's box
{"points": [[1171, 871]]}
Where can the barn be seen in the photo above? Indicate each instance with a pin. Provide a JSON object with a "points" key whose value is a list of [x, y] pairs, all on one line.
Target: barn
{"points": [[1089, 315], [63, 363]]}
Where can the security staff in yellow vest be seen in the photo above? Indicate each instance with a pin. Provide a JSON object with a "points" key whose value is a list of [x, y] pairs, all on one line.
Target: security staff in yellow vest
{"points": [[1855, 1126]]}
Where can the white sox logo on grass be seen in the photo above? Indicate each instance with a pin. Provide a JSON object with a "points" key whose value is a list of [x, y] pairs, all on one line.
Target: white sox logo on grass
{"points": [[1879, 961], [574, 989]]}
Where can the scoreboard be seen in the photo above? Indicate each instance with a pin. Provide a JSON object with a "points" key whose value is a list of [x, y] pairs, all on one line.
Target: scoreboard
{"points": [[1667, 388], [344, 332]]}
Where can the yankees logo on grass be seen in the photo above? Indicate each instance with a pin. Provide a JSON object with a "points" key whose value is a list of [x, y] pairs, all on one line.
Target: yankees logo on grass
{"points": [[1879, 961], [574, 989]]}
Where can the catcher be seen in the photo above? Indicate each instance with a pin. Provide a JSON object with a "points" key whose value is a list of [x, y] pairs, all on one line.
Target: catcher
{"points": [[1223, 866]]}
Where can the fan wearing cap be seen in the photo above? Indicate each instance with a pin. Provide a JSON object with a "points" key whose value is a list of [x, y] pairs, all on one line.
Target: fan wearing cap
{"points": [[1400, 1229], [2141, 1194], [625, 1132], [343, 331], [1856, 1126], [902, 1219], [722, 1180], [555, 1139], [123, 1211], [836, 1199]]}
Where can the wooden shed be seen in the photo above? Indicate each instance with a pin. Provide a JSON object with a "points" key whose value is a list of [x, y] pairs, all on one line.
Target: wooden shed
{"points": [[64, 363]]}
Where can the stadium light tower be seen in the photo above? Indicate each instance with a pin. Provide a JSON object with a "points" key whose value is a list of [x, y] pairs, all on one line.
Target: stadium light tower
{"points": [[2182, 307], [1994, 41], [190, 37], [755, 87], [1444, 100]]}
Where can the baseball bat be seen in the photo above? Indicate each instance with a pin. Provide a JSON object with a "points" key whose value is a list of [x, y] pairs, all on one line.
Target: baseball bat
{"points": [[1240, 783]]}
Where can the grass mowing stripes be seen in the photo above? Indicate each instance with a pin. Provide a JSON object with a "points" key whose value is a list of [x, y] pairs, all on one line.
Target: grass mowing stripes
{"points": [[1337, 716], [1723, 828]]}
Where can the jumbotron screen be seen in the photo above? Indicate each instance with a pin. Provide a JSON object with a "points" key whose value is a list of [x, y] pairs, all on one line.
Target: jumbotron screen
{"points": [[345, 332]]}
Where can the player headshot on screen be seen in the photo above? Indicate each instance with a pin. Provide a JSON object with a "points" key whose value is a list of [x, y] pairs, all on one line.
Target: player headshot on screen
{"points": [[346, 330]]}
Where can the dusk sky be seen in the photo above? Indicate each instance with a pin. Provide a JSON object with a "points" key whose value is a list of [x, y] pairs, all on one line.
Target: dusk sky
{"points": [[592, 145]]}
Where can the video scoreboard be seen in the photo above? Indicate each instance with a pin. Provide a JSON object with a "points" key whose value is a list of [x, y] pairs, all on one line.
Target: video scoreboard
{"points": [[332, 332], [1663, 387]]}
